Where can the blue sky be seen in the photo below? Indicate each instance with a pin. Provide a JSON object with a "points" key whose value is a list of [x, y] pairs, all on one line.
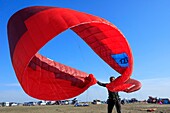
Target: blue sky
{"points": [[145, 24]]}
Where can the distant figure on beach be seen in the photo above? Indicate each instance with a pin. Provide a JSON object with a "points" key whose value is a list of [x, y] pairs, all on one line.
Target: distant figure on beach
{"points": [[113, 98]]}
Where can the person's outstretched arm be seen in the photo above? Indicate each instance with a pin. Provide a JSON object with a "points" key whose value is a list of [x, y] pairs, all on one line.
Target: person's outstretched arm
{"points": [[101, 84]]}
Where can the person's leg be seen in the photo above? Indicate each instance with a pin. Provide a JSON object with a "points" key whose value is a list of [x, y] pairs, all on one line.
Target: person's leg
{"points": [[118, 106], [110, 106]]}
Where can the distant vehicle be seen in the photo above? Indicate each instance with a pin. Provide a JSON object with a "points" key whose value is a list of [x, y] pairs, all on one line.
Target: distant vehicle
{"points": [[48, 103], [85, 104], [64, 102], [29, 104], [164, 100], [13, 104], [152, 99], [5, 104], [55, 102], [41, 103], [77, 104], [96, 102]]}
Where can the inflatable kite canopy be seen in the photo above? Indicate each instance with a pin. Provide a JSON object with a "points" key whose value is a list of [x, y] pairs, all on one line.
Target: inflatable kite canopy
{"points": [[31, 28], [131, 85], [134, 85]]}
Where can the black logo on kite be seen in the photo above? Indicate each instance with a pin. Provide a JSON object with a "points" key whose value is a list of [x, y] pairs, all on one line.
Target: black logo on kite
{"points": [[121, 59], [124, 60]]}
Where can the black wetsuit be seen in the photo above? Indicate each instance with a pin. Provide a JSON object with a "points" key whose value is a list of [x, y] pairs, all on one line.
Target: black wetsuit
{"points": [[113, 99]]}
